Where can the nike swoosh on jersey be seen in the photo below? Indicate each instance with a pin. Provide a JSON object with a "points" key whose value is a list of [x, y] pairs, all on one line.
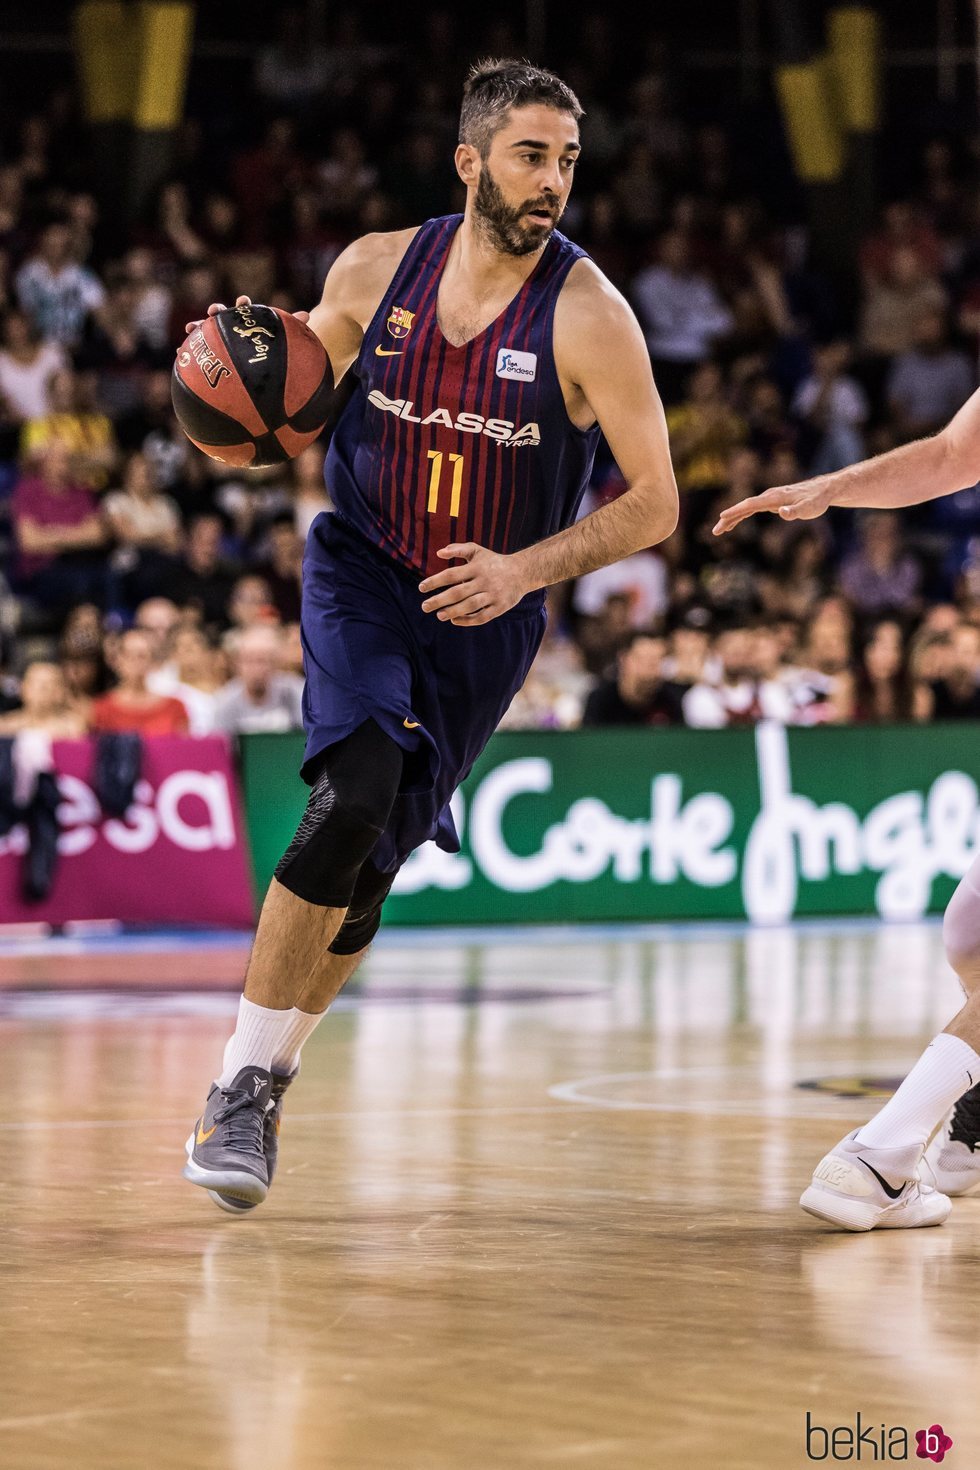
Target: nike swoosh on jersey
{"points": [[388, 351], [891, 1193], [410, 724]]}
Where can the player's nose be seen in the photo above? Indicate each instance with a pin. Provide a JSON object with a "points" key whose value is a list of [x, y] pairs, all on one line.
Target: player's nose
{"points": [[551, 183]]}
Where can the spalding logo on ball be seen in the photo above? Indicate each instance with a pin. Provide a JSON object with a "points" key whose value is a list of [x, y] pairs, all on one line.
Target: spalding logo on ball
{"points": [[251, 386]]}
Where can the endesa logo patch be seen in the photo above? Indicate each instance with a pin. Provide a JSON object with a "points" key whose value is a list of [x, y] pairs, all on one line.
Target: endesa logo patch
{"points": [[520, 365]]}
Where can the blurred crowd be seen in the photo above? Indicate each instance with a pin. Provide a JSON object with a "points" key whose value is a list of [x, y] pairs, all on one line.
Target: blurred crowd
{"points": [[149, 588]]}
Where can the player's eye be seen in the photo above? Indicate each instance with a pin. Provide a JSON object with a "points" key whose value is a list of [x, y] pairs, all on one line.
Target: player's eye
{"points": [[568, 163], [531, 157]]}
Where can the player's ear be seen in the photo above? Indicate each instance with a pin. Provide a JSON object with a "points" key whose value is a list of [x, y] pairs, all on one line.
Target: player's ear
{"points": [[468, 164]]}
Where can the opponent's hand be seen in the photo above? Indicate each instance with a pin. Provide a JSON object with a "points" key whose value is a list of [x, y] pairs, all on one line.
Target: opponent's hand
{"points": [[790, 502], [216, 306], [486, 586]]}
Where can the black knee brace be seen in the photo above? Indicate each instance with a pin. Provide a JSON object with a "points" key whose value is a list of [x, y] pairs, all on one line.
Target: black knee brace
{"points": [[354, 783], [364, 914]]}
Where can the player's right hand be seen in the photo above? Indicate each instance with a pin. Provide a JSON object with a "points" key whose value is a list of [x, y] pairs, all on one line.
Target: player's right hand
{"points": [[803, 502], [216, 306]]}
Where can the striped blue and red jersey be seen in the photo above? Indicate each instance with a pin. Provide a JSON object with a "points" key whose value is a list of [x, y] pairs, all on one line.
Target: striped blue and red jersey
{"points": [[472, 443]]}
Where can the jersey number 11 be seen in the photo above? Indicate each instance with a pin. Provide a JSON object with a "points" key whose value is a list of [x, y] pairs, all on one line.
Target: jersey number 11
{"points": [[435, 476]]}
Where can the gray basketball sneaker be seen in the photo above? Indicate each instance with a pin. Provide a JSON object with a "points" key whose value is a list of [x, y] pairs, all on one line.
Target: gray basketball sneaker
{"points": [[226, 1149], [273, 1122]]}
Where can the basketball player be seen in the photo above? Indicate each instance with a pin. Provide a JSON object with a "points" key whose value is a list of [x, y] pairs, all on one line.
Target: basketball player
{"points": [[872, 1177], [488, 352]]}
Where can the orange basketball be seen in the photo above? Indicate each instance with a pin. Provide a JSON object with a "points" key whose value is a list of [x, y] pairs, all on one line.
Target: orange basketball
{"points": [[251, 386]]}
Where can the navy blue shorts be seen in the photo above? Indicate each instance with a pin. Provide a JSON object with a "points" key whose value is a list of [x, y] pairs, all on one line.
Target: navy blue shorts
{"points": [[370, 652]]}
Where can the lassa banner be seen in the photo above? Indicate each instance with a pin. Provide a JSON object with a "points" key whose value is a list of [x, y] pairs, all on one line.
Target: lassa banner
{"points": [[764, 824], [177, 856]]}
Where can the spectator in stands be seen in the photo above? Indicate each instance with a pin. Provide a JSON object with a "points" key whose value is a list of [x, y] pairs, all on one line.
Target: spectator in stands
{"points": [[638, 693], [59, 533], [85, 672], [894, 305], [151, 428], [251, 602], [681, 312], [929, 382], [796, 574], [145, 526], [308, 491], [153, 299], [884, 689], [26, 367], [704, 431], [956, 696], [902, 228], [57, 292], [159, 618], [881, 576], [204, 581], [745, 691], [115, 350], [293, 73], [75, 422], [833, 406], [45, 705], [196, 679], [281, 567], [132, 705], [260, 697], [689, 645]]}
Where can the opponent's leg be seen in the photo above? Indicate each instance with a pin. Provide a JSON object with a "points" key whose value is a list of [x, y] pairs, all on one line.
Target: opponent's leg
{"points": [[353, 791], [952, 1159], [872, 1177]]}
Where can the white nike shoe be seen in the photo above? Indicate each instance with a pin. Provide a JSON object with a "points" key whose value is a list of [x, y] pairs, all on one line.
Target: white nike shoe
{"points": [[863, 1188], [952, 1160]]}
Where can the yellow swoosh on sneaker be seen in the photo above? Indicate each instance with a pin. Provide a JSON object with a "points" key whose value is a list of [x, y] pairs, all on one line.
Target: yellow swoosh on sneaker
{"points": [[203, 1137]]}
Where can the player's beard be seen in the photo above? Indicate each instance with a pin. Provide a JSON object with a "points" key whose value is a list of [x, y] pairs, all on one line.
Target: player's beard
{"points": [[503, 225]]}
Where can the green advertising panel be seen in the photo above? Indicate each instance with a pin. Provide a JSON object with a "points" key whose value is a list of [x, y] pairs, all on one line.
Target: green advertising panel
{"points": [[763, 823]]}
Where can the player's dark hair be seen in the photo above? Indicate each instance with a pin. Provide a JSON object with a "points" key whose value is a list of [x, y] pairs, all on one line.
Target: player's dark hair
{"points": [[494, 86]]}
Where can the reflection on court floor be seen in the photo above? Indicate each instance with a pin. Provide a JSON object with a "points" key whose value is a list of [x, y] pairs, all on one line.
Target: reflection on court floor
{"points": [[536, 1206]]}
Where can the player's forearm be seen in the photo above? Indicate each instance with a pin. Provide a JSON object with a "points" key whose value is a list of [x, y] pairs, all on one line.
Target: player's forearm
{"points": [[641, 517], [906, 476]]}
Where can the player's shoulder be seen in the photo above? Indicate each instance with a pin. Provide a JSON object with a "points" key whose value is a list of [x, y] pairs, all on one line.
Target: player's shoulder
{"points": [[363, 270], [591, 310], [380, 246]]}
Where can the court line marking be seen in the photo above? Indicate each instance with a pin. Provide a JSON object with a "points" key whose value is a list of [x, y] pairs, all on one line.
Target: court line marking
{"points": [[30, 1421], [766, 1107], [774, 1105], [181, 1122]]}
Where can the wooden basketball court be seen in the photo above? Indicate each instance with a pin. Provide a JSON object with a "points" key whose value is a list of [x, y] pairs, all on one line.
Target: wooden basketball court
{"points": [[536, 1206]]}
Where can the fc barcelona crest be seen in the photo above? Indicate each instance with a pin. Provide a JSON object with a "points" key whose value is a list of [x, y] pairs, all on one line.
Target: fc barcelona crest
{"points": [[400, 321]]}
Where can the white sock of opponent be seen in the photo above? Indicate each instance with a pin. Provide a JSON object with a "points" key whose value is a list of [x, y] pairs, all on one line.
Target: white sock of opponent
{"points": [[267, 1038], [946, 1069]]}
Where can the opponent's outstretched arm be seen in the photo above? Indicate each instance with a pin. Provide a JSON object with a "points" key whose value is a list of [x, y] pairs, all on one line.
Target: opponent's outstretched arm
{"points": [[599, 348], [925, 470]]}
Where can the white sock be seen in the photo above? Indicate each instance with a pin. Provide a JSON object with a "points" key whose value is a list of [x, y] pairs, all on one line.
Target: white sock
{"points": [[303, 1025], [946, 1069], [266, 1038]]}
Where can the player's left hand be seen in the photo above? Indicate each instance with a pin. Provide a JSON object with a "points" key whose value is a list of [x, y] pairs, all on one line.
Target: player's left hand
{"points": [[480, 590]]}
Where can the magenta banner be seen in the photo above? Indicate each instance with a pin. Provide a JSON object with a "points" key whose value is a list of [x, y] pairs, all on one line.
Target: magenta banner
{"points": [[178, 856]]}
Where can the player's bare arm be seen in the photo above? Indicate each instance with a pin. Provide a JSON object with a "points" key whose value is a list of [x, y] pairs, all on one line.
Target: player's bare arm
{"points": [[605, 370], [925, 470], [352, 292]]}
